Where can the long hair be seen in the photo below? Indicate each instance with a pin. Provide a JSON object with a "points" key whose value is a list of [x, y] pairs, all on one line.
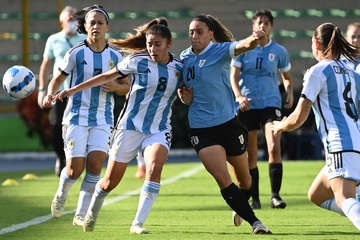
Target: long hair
{"points": [[334, 44], [221, 32], [137, 42]]}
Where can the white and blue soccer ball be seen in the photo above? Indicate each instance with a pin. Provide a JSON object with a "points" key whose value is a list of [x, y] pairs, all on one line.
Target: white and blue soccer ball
{"points": [[19, 81]]}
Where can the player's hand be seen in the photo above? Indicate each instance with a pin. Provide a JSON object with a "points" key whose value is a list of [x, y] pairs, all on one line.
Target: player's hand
{"points": [[64, 94], [185, 95], [48, 101], [244, 103], [276, 127], [109, 86], [40, 98]]}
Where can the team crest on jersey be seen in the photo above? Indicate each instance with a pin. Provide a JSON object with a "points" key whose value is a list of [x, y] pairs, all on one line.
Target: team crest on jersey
{"points": [[111, 63], [271, 57], [201, 63]]}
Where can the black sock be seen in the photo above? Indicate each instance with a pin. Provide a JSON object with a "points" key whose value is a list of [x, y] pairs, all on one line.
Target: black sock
{"points": [[237, 201], [275, 173], [255, 183]]}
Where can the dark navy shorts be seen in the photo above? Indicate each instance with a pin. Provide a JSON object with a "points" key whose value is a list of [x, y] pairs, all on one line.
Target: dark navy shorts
{"points": [[232, 135]]}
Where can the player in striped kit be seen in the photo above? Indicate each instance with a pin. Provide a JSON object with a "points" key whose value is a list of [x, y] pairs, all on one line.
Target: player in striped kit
{"points": [[144, 123], [332, 90], [88, 117]]}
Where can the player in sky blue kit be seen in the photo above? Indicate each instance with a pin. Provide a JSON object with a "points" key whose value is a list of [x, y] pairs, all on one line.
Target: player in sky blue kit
{"points": [[332, 90], [56, 46], [215, 132], [88, 117], [144, 123], [254, 79]]}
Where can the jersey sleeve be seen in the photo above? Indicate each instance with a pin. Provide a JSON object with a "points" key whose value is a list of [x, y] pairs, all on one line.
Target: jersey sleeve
{"points": [[68, 63], [284, 61], [313, 83]]}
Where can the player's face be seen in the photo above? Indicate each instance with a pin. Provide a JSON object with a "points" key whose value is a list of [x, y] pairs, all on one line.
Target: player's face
{"points": [[263, 23], [96, 25], [199, 35], [158, 48], [353, 36]]}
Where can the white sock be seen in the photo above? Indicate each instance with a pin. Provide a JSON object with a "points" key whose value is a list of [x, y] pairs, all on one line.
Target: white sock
{"points": [[331, 205], [97, 200], [65, 184], [351, 208], [86, 193], [150, 190]]}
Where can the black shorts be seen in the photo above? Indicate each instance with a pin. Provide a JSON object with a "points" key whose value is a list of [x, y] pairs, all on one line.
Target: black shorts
{"points": [[232, 135], [255, 119]]}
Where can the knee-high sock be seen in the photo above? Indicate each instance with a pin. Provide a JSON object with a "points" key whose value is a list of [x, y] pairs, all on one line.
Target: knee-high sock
{"points": [[330, 204], [150, 190], [238, 202], [86, 193], [65, 184], [255, 183], [97, 200], [275, 173], [351, 208]]}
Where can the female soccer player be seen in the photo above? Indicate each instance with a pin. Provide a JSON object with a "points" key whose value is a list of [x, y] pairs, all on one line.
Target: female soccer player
{"points": [[88, 117], [216, 133], [332, 90], [254, 80], [144, 123]]}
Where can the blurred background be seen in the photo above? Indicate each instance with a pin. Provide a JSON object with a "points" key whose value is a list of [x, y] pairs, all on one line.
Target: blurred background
{"points": [[26, 25]]}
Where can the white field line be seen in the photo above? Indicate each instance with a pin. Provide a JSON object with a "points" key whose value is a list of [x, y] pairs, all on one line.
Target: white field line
{"points": [[42, 219]]}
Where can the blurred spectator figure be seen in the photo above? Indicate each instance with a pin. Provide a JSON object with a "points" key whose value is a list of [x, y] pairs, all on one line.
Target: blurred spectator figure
{"points": [[56, 46]]}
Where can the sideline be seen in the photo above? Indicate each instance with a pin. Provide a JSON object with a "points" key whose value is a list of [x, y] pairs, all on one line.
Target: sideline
{"points": [[42, 219]]}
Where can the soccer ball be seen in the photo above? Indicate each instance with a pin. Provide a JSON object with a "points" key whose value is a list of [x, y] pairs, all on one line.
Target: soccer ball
{"points": [[19, 81]]}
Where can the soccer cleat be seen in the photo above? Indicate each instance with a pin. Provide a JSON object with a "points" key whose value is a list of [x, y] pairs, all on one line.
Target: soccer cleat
{"points": [[78, 220], [141, 171], [57, 206], [255, 204], [259, 228], [277, 202], [236, 219], [138, 229], [89, 223]]}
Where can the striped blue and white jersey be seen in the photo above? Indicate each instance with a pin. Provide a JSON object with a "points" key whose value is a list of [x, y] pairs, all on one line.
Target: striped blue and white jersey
{"points": [[153, 90], [259, 74], [334, 90], [92, 106], [208, 73], [350, 64]]}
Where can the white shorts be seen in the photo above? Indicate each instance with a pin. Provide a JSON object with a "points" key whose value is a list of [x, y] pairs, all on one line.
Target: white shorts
{"points": [[126, 144], [80, 140], [343, 164]]}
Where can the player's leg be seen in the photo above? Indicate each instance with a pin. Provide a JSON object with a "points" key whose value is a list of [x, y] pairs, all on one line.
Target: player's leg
{"points": [[252, 150], [141, 169], [275, 166], [75, 164]]}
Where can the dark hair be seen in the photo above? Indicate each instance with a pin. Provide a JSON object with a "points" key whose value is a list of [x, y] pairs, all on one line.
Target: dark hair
{"points": [[334, 44], [81, 16], [221, 33], [264, 12], [137, 42]]}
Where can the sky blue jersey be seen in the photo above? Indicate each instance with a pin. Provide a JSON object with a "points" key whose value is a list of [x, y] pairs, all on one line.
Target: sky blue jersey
{"points": [[259, 74], [153, 90], [209, 74], [334, 89], [90, 107]]}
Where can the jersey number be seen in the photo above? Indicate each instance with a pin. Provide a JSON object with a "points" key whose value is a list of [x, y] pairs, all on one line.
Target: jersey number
{"points": [[190, 73], [259, 63], [162, 84], [349, 103]]}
